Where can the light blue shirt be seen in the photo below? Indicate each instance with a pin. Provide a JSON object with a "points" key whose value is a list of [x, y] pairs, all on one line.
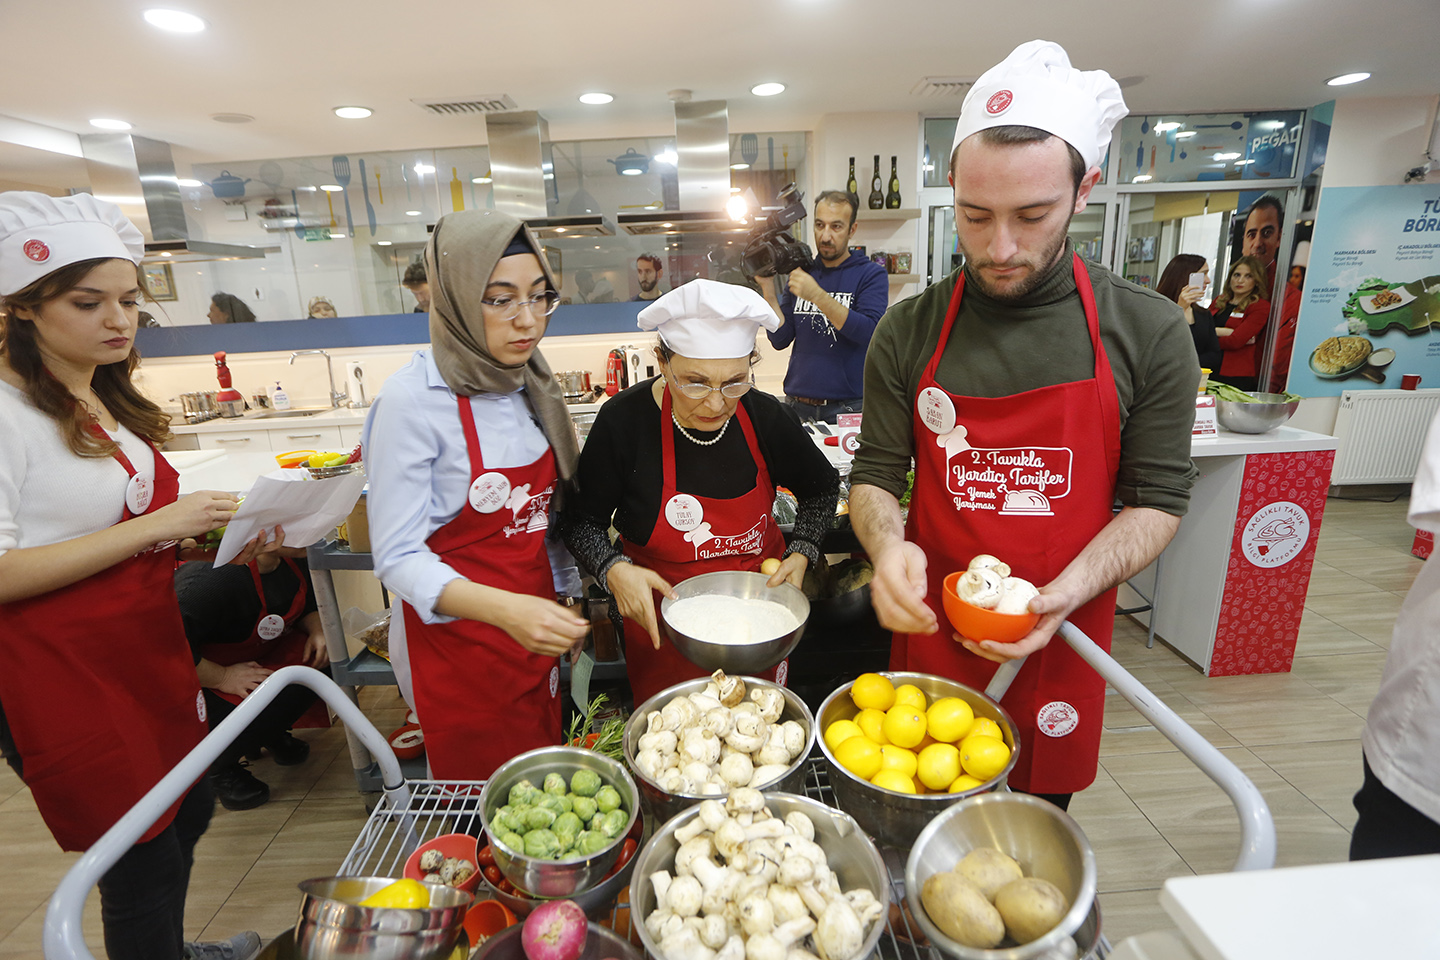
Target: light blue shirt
{"points": [[419, 473]]}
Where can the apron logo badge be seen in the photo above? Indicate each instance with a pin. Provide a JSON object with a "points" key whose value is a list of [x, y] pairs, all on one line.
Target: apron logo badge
{"points": [[1057, 719], [200, 705], [782, 672], [489, 492], [36, 250], [271, 626], [684, 512], [1276, 534], [554, 680], [999, 103]]}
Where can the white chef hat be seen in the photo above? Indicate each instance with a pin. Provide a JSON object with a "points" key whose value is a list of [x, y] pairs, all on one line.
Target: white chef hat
{"points": [[709, 320], [1036, 87], [40, 234]]}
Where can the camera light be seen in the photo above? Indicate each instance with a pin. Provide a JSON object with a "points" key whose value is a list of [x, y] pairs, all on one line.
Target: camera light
{"points": [[737, 207]]}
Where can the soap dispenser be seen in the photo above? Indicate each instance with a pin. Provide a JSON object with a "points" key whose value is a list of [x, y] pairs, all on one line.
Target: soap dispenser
{"points": [[282, 399]]}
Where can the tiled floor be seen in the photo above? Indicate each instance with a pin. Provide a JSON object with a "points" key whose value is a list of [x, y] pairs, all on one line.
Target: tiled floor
{"points": [[1150, 815]]}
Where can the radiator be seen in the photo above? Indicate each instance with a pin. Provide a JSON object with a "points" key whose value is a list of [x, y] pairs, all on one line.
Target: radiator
{"points": [[1381, 433]]}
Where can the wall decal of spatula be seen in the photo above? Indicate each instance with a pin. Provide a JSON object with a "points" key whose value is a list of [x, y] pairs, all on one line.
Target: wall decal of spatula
{"points": [[365, 189], [341, 166], [749, 148]]}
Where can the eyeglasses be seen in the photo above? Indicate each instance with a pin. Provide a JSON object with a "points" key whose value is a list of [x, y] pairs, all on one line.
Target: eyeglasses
{"points": [[540, 306], [702, 391]]}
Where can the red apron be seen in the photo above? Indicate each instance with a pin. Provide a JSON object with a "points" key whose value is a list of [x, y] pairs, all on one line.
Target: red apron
{"points": [[1029, 478], [99, 686], [480, 696], [741, 534]]}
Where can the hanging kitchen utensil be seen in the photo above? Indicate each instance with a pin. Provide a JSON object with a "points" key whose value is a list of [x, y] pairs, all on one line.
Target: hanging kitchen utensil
{"points": [[457, 190], [770, 145], [341, 166], [329, 200], [749, 147], [299, 223], [379, 189], [785, 158], [365, 189], [227, 186]]}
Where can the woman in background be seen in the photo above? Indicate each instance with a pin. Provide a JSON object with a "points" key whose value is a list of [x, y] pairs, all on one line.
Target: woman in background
{"points": [[228, 308], [321, 308], [1175, 284], [1241, 311]]}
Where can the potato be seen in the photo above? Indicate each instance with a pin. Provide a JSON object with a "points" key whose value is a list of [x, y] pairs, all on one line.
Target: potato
{"points": [[1030, 907], [961, 911], [988, 869], [769, 565]]}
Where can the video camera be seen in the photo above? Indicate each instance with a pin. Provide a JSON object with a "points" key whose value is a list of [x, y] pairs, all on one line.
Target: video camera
{"points": [[771, 249]]}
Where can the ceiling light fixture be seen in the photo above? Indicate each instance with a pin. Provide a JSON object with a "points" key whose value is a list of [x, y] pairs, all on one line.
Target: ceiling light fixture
{"points": [[166, 253], [110, 124], [187, 182], [667, 156], [424, 168], [1227, 156], [331, 187], [595, 99], [1167, 125], [1142, 178], [337, 236], [1346, 78], [485, 179], [1184, 134], [767, 89], [739, 166], [231, 117], [383, 243], [412, 213], [353, 113], [1241, 163], [175, 21], [559, 229]]}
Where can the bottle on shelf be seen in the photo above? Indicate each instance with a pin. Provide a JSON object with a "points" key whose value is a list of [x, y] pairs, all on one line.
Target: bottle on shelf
{"points": [[892, 198], [852, 186], [877, 198]]}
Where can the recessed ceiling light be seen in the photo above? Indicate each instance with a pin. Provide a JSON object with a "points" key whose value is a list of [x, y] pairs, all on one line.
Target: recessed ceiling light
{"points": [[739, 166], [1167, 125], [231, 117], [1142, 178], [667, 156], [187, 182], [176, 21], [595, 98], [353, 113], [667, 225], [424, 168], [1184, 133], [485, 179], [412, 213], [110, 124], [767, 89], [383, 243], [1346, 78], [331, 187], [166, 253], [337, 236]]}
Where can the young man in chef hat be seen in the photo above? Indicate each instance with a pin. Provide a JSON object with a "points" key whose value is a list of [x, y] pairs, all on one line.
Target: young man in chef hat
{"points": [[1074, 389]]}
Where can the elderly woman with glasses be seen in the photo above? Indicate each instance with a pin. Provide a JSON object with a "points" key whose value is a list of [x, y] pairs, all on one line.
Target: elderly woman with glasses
{"points": [[685, 466], [465, 448]]}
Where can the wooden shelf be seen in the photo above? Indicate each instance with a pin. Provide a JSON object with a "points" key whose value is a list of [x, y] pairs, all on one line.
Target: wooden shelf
{"points": [[880, 216], [903, 277]]}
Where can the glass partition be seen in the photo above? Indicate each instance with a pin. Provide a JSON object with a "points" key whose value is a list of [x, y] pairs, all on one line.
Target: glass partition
{"points": [[1190, 148]]}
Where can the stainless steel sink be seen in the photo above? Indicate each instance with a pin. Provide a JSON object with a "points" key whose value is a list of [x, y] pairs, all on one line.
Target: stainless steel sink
{"points": [[293, 412]]}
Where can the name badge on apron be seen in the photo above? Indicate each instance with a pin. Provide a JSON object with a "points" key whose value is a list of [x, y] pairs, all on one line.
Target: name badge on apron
{"points": [[684, 512], [935, 410], [139, 492], [489, 492], [270, 626]]}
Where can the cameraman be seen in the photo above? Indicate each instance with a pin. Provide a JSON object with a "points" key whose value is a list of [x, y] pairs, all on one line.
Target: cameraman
{"points": [[828, 311]]}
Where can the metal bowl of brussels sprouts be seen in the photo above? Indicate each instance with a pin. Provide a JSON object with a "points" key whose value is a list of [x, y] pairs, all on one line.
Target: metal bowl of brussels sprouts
{"points": [[557, 817]]}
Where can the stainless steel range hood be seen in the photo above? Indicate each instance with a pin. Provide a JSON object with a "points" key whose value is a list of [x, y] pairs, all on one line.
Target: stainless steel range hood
{"points": [[702, 148], [138, 174], [520, 159]]}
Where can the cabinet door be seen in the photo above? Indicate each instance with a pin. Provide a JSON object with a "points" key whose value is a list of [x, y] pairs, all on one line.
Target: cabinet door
{"points": [[349, 437], [235, 440], [304, 437]]}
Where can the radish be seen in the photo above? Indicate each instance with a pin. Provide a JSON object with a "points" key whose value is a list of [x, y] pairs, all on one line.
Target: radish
{"points": [[556, 930]]}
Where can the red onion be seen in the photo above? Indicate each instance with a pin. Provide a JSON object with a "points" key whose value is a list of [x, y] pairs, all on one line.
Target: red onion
{"points": [[555, 930]]}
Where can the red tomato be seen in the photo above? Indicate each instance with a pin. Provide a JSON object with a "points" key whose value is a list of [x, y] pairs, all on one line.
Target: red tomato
{"points": [[627, 850], [505, 886], [493, 874], [486, 856]]}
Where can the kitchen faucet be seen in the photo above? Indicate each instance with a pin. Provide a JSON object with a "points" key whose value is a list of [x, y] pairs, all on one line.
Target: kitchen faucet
{"points": [[336, 396]]}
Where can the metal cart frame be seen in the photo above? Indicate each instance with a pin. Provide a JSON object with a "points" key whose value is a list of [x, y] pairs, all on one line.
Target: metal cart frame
{"points": [[409, 812]]}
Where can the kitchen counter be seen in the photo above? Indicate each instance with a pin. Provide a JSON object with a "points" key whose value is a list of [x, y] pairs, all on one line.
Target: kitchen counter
{"points": [[265, 420]]}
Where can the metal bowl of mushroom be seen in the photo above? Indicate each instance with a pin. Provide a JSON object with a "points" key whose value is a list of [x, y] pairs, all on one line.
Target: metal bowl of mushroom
{"points": [[742, 731], [760, 876]]}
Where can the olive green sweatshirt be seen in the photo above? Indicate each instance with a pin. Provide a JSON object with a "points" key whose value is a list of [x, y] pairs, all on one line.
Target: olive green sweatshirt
{"points": [[999, 349]]}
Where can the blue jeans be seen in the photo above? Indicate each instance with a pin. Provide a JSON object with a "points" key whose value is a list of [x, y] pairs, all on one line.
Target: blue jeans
{"points": [[825, 411]]}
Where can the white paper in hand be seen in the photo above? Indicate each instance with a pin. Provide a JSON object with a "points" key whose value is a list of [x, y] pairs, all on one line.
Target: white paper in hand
{"points": [[307, 509]]}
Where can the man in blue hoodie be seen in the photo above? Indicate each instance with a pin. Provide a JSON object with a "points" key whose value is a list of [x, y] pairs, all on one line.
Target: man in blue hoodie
{"points": [[828, 312]]}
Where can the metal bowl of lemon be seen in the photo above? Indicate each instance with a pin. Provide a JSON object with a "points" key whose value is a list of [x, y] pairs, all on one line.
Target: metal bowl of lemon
{"points": [[890, 787], [404, 920]]}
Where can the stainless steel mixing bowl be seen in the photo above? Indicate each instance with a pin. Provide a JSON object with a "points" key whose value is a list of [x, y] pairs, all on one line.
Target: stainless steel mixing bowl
{"points": [[889, 816], [1045, 840], [596, 901], [662, 805], [555, 878], [600, 944], [736, 658], [332, 926], [847, 850], [1267, 414]]}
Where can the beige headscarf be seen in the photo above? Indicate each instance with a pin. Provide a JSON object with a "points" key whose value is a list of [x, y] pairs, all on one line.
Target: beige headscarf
{"points": [[461, 255]]}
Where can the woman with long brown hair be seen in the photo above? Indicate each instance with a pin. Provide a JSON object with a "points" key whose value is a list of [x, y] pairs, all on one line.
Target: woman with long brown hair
{"points": [[99, 688], [1175, 285], [1241, 312]]}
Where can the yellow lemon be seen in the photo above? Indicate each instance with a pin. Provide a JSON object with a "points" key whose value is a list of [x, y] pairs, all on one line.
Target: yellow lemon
{"points": [[898, 758], [769, 565], [859, 755], [840, 731], [939, 765], [894, 780], [911, 694], [870, 691], [871, 723], [904, 725], [404, 894], [986, 727], [949, 719], [983, 757], [965, 782]]}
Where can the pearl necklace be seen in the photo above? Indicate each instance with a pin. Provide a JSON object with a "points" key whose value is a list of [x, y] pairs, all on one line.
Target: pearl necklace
{"points": [[702, 443]]}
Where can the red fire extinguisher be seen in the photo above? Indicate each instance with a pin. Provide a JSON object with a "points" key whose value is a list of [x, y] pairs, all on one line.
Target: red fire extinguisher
{"points": [[615, 379]]}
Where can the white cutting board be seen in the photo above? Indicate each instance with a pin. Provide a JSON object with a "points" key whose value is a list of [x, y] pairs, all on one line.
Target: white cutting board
{"points": [[1372, 909]]}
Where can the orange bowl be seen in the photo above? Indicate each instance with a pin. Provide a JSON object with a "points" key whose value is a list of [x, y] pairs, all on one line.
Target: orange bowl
{"points": [[293, 458], [407, 749], [462, 846], [487, 918], [975, 623]]}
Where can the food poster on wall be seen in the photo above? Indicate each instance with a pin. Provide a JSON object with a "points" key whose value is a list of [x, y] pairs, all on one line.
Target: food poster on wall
{"points": [[1371, 307]]}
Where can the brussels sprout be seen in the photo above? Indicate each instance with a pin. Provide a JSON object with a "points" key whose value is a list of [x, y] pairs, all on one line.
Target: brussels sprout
{"points": [[548, 801], [607, 798], [542, 844], [512, 840], [567, 827], [612, 824], [585, 808], [585, 782], [507, 820], [591, 842], [522, 793], [539, 818], [554, 784]]}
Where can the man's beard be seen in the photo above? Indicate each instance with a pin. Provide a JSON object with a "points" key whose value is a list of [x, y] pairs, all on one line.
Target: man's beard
{"points": [[1023, 286], [647, 287]]}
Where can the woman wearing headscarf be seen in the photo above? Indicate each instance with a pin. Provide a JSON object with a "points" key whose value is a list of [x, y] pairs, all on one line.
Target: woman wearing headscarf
{"points": [[466, 447], [685, 467]]}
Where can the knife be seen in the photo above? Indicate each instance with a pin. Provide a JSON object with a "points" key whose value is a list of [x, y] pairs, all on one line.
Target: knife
{"points": [[365, 189]]}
